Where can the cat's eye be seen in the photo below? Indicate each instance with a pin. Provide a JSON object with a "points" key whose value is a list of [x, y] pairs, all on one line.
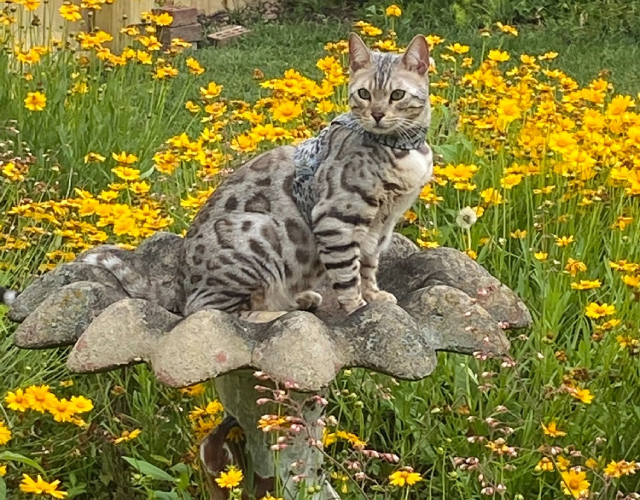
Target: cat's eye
{"points": [[397, 94], [364, 94]]}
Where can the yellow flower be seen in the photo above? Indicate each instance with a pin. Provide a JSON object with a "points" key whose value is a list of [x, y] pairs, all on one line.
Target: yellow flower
{"points": [[325, 107], [458, 49], [244, 143], [574, 482], [94, 158], [165, 71], [39, 397], [563, 463], [625, 342], [564, 240], [498, 55], [548, 56], [510, 181], [41, 487], [393, 11], [5, 434], [286, 111], [404, 477], [126, 173], [62, 410], [124, 158], [194, 390], [214, 407], [491, 196], [586, 285], [35, 101], [631, 280], [127, 436], [211, 91], [619, 105], [30, 4], [164, 19], [82, 404], [596, 311], [621, 468], [194, 66], [583, 395], [591, 463], [552, 430], [505, 28], [231, 478], [541, 255], [575, 266], [370, 30], [3, 470], [70, 12], [17, 401], [544, 465]]}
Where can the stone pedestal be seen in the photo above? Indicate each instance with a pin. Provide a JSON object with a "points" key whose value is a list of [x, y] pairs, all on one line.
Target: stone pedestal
{"points": [[446, 302]]}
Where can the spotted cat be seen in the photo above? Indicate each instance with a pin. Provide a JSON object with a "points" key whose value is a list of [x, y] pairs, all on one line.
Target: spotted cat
{"points": [[292, 216]]}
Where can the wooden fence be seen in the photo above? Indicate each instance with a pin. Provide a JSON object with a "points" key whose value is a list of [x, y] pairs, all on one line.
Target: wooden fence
{"points": [[45, 23]]}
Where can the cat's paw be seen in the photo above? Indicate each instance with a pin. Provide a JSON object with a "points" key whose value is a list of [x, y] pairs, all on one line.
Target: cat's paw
{"points": [[379, 296], [353, 305], [308, 300]]}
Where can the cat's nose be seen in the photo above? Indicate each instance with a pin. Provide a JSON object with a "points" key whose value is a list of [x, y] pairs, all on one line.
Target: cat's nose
{"points": [[377, 116]]}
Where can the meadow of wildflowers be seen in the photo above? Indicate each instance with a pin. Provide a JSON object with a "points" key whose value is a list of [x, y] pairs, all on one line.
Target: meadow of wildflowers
{"points": [[538, 178]]}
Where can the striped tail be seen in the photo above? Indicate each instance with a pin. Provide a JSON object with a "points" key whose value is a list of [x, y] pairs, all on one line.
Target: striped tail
{"points": [[7, 296], [134, 283]]}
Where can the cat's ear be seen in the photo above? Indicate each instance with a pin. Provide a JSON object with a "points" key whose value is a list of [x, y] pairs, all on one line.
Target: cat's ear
{"points": [[359, 54], [416, 57]]}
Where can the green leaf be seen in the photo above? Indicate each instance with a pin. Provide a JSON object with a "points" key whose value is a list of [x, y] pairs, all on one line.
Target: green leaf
{"points": [[165, 495], [3, 489], [149, 469], [8, 456]]}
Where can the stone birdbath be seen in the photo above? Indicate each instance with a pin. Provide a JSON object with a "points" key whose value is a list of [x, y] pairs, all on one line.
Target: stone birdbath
{"points": [[446, 302]]}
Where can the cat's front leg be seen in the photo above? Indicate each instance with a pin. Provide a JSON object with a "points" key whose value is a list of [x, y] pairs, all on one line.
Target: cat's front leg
{"points": [[339, 235], [369, 260]]}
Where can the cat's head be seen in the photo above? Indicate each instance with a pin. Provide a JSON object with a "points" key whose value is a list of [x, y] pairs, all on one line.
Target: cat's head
{"points": [[389, 93]]}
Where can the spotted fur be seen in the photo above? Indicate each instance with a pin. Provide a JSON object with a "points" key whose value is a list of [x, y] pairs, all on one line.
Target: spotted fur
{"points": [[257, 250]]}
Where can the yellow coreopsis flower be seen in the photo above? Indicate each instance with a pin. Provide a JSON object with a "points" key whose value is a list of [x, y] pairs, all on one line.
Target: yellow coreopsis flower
{"points": [[583, 395], [498, 56], [491, 196], [596, 311], [35, 101], [3, 470], [393, 11], [541, 255], [211, 91], [39, 397], [94, 158], [564, 240], [505, 28], [586, 285], [5, 434], [231, 478], [164, 19], [126, 173], [127, 436], [62, 410], [404, 477], [544, 465], [458, 49], [621, 468], [194, 66], [70, 12], [552, 430], [17, 401], [286, 111], [574, 483]]}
